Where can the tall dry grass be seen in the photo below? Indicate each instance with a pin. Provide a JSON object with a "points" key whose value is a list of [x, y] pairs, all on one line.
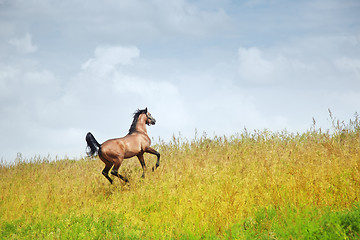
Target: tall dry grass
{"points": [[203, 186]]}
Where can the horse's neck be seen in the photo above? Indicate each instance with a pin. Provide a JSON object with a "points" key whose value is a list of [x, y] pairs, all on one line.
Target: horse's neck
{"points": [[141, 126], [141, 129]]}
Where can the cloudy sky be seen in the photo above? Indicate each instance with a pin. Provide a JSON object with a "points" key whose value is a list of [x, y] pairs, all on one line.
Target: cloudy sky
{"points": [[69, 67]]}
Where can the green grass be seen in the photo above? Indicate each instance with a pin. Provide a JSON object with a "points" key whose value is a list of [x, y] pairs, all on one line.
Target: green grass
{"points": [[266, 223], [302, 223], [259, 185]]}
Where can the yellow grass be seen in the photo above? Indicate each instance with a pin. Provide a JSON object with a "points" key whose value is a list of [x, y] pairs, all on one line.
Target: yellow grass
{"points": [[202, 185]]}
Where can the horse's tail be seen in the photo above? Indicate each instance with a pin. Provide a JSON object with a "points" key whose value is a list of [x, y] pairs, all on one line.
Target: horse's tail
{"points": [[92, 144]]}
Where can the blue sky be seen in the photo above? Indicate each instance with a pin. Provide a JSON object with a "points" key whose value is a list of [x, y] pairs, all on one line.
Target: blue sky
{"points": [[69, 67]]}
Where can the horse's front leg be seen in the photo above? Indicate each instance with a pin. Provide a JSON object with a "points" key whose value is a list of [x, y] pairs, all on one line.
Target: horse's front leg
{"points": [[142, 162], [153, 151]]}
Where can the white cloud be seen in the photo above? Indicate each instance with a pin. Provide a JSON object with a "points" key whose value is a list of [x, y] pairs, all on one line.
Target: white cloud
{"points": [[266, 67], [327, 59], [212, 65], [132, 21], [24, 98], [106, 59], [23, 45], [348, 65], [112, 76], [254, 68], [182, 17], [19, 85], [7, 75]]}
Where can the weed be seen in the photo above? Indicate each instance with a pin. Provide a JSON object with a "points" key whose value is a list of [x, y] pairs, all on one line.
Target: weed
{"points": [[260, 185]]}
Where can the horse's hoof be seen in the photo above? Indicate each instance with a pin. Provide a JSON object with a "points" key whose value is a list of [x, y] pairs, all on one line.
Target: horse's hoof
{"points": [[156, 166]]}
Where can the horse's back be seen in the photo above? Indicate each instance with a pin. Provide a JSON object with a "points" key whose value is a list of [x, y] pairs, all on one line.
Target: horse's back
{"points": [[125, 147], [113, 148]]}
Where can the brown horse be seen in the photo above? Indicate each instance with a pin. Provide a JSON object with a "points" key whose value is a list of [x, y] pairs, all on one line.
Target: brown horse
{"points": [[135, 143]]}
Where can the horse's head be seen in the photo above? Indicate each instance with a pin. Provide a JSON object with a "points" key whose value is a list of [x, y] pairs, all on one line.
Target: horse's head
{"points": [[150, 120], [141, 117]]}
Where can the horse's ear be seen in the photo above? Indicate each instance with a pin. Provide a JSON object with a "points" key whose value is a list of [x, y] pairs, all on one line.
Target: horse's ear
{"points": [[146, 110]]}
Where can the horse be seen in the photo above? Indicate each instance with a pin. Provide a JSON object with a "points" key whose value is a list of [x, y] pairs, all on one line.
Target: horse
{"points": [[137, 142]]}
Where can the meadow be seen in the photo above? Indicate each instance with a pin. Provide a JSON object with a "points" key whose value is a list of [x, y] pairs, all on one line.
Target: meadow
{"points": [[252, 185]]}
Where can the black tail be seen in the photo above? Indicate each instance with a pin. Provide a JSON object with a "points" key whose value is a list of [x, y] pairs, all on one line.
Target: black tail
{"points": [[92, 144]]}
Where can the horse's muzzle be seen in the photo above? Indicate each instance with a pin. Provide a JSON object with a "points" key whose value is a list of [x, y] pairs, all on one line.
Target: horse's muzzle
{"points": [[151, 122]]}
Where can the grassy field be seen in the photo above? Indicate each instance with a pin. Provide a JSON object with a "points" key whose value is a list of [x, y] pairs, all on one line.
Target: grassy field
{"points": [[258, 185]]}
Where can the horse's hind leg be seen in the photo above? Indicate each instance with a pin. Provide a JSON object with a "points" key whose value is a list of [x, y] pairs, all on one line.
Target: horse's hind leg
{"points": [[115, 173], [107, 168], [115, 169], [105, 172]]}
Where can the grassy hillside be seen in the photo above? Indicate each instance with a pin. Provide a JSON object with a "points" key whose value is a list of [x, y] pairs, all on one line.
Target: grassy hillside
{"points": [[260, 185]]}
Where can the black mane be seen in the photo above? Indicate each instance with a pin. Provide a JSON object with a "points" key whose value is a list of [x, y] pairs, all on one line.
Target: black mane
{"points": [[136, 117]]}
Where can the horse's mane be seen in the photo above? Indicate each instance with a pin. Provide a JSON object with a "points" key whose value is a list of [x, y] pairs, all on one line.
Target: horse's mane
{"points": [[136, 117]]}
